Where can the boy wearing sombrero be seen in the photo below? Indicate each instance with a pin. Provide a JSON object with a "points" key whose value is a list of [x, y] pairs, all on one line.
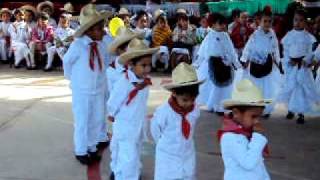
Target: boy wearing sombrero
{"points": [[127, 107], [5, 15], [173, 127], [116, 48], [84, 67], [30, 16], [47, 7], [243, 143]]}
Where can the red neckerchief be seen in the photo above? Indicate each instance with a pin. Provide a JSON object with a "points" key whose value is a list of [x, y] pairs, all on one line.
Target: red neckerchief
{"points": [[137, 87], [185, 125], [94, 52], [229, 125]]}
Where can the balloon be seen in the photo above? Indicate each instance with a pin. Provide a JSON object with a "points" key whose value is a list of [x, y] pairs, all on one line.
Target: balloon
{"points": [[114, 25]]}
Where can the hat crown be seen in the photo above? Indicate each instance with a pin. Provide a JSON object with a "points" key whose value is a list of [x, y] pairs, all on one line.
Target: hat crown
{"points": [[88, 13], [181, 11], [184, 73], [137, 45], [123, 11], [123, 31], [68, 6], [247, 92]]}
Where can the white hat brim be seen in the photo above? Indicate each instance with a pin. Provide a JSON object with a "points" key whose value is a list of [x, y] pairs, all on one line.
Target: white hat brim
{"points": [[83, 28], [232, 103], [5, 11], [176, 85], [45, 3], [127, 56], [112, 48]]}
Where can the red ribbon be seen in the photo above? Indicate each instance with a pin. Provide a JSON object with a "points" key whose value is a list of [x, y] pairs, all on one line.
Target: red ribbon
{"points": [[138, 86], [230, 126], [94, 52], [185, 125]]}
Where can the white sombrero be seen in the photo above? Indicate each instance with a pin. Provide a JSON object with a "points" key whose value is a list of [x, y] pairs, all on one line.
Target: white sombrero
{"points": [[123, 11], [89, 16], [124, 35], [246, 94], [136, 48], [68, 7], [183, 75], [157, 14], [29, 8], [43, 4], [5, 10]]}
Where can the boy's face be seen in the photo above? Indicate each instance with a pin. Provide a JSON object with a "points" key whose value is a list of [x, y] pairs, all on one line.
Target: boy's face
{"points": [[248, 118], [219, 27], [19, 16], [64, 22], [266, 23], [204, 23], [162, 23], [28, 16], [42, 22], [5, 17], [143, 22], [96, 32], [243, 18], [185, 101], [126, 20], [183, 23], [298, 22], [143, 67]]}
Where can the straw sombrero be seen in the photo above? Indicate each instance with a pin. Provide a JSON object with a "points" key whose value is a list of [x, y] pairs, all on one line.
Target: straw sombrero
{"points": [[183, 75], [5, 10], [157, 14], [136, 48], [68, 7], [123, 35], [89, 16], [43, 4], [29, 8], [123, 11], [246, 94]]}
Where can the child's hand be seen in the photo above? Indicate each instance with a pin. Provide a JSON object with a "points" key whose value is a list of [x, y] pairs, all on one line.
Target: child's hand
{"points": [[258, 128]]}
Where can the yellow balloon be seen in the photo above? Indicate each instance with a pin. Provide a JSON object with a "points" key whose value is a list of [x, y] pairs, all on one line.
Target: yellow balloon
{"points": [[114, 25]]}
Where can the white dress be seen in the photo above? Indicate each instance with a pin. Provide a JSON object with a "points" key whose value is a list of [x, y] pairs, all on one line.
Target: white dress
{"points": [[259, 45], [4, 47], [299, 92], [175, 155], [216, 44]]}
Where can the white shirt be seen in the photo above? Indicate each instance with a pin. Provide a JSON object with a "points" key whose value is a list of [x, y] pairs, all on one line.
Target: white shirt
{"points": [[19, 32], [242, 158], [297, 44], [4, 29], [259, 45], [63, 33], [77, 69], [175, 155], [129, 119]]}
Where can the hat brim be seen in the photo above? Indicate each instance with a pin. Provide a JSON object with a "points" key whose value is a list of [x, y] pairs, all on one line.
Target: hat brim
{"points": [[42, 4], [127, 56], [67, 10], [30, 8], [174, 85], [121, 40], [228, 104], [5, 11], [83, 28]]}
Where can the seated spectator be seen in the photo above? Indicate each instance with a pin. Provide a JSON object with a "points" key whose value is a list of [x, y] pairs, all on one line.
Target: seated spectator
{"points": [[142, 25], [5, 15], [201, 33], [161, 37], [42, 37], [125, 15], [63, 36], [73, 21]]}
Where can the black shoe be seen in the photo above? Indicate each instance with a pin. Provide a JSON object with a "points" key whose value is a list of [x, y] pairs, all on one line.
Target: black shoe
{"points": [[94, 156], [103, 145], [266, 116], [85, 160], [290, 115], [300, 119], [47, 70], [220, 113], [17, 66], [111, 176]]}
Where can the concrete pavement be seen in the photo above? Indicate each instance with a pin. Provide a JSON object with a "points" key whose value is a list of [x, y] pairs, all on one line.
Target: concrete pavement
{"points": [[36, 134]]}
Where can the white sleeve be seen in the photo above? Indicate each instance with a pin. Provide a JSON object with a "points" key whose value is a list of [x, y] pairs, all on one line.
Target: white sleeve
{"points": [[69, 59], [233, 55], [203, 51], [276, 47], [312, 40], [286, 45], [118, 96], [247, 155], [246, 53], [157, 124]]}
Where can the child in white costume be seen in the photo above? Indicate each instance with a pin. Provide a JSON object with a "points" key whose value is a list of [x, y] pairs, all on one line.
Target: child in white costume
{"points": [[84, 67], [299, 92], [317, 59], [217, 62], [127, 108], [242, 139], [173, 127], [63, 36], [262, 56], [20, 37], [5, 15]]}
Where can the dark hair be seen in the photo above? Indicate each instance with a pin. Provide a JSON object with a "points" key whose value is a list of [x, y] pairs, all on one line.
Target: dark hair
{"points": [[43, 16], [217, 18], [140, 14], [16, 11], [301, 12], [162, 17], [267, 11], [192, 90], [244, 108], [135, 60], [235, 13], [182, 16]]}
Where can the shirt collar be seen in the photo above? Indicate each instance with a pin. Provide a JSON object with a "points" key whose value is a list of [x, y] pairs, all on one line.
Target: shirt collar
{"points": [[133, 78]]}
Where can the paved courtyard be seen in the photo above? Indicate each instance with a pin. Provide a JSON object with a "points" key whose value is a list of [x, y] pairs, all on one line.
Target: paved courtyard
{"points": [[36, 134]]}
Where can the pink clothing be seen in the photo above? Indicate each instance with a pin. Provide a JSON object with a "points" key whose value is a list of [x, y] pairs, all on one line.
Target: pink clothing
{"points": [[42, 35]]}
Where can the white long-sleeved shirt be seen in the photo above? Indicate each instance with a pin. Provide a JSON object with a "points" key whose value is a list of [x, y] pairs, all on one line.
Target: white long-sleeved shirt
{"points": [[19, 32], [62, 34], [243, 159], [175, 155], [259, 45], [77, 69], [129, 119], [4, 29], [298, 44]]}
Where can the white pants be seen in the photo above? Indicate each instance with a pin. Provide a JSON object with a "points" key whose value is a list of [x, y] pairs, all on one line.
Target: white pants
{"points": [[51, 51], [89, 115], [125, 158], [20, 51], [3, 50], [162, 55], [33, 48]]}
